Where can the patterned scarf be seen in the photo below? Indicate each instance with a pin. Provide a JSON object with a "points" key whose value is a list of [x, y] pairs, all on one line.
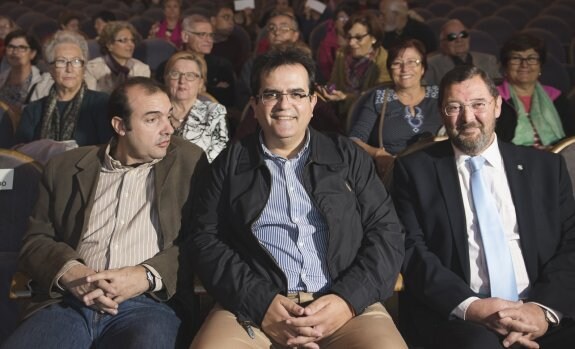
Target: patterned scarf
{"points": [[61, 127], [356, 69], [119, 72], [543, 115]]}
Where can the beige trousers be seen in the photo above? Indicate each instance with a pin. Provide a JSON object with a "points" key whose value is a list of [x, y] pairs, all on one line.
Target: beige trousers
{"points": [[373, 329]]}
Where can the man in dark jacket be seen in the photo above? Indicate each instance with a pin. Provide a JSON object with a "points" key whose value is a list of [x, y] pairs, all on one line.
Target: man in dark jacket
{"points": [[295, 237]]}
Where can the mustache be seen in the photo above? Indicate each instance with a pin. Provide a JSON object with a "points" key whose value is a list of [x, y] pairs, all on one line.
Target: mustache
{"points": [[468, 125]]}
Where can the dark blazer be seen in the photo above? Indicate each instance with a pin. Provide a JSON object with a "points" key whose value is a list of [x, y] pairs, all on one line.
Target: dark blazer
{"points": [[436, 268], [66, 197]]}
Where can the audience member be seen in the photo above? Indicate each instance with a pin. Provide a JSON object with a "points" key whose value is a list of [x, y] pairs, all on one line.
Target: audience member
{"points": [[22, 53], [70, 111], [117, 41], [454, 45], [100, 19], [532, 114], [394, 118], [281, 28], [360, 65], [399, 25], [271, 241], [335, 38], [201, 122], [170, 28], [248, 19], [70, 20], [490, 244], [102, 245], [6, 26]]}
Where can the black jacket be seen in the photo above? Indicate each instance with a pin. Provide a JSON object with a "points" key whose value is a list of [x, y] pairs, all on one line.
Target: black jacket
{"points": [[365, 238]]}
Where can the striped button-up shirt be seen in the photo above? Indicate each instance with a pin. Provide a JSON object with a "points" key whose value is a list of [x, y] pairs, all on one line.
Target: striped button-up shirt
{"points": [[291, 228]]}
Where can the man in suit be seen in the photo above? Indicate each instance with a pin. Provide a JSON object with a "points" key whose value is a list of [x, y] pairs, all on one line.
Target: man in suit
{"points": [[452, 298], [454, 45], [103, 242]]}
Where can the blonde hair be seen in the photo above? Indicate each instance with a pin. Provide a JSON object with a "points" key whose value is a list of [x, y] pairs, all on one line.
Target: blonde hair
{"points": [[189, 56]]}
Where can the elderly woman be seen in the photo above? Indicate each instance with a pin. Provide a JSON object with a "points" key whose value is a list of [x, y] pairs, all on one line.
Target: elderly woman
{"points": [[6, 26], [532, 114], [361, 64], [117, 42], [22, 52], [70, 111], [170, 28], [396, 117], [199, 121]]}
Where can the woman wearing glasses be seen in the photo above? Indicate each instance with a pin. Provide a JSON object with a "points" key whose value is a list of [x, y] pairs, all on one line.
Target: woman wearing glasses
{"points": [[70, 111], [199, 121], [22, 52], [359, 65], [117, 41], [393, 118], [532, 114]]}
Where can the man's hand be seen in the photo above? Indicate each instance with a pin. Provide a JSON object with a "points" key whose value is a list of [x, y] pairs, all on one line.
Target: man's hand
{"points": [[75, 281], [275, 324], [325, 315], [120, 284], [528, 313]]}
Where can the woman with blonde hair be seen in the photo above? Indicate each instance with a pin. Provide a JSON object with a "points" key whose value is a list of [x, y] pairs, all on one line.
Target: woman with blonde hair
{"points": [[117, 41], [198, 120]]}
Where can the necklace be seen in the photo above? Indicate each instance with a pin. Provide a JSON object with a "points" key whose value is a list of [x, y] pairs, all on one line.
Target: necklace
{"points": [[415, 121]]}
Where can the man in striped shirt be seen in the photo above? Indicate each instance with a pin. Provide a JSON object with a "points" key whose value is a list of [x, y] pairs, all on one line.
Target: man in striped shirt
{"points": [[295, 237], [103, 243]]}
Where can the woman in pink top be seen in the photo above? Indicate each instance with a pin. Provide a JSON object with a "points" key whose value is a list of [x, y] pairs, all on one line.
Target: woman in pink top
{"points": [[170, 28]]}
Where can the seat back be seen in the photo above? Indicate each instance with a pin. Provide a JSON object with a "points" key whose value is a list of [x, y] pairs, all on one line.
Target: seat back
{"points": [[154, 51], [500, 29], [467, 16], [567, 149], [482, 42], [19, 177]]}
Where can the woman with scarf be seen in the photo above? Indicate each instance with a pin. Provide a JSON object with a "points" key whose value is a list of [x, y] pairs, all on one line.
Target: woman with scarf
{"points": [[70, 111], [360, 65], [532, 114], [117, 42], [170, 28], [198, 120]]}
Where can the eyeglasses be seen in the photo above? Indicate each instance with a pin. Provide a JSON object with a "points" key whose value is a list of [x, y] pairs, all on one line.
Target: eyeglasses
{"points": [[190, 76], [281, 29], [343, 18], [126, 40], [517, 60], [358, 38], [410, 63], [272, 97], [203, 35], [63, 62], [453, 36], [456, 109], [18, 48]]}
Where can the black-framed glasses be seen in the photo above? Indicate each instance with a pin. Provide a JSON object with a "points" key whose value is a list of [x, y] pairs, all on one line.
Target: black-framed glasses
{"points": [[453, 36], [282, 29], [530, 60], [63, 62], [190, 76], [358, 38], [126, 40], [203, 35], [17, 48], [456, 109], [272, 97], [410, 63]]}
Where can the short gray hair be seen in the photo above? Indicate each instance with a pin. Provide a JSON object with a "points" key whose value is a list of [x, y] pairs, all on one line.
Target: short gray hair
{"points": [[65, 37], [190, 20]]}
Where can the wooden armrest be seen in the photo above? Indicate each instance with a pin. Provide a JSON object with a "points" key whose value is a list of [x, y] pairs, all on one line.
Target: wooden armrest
{"points": [[399, 286], [20, 286]]}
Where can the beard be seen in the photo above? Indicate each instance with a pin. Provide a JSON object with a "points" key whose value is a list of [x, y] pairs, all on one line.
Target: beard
{"points": [[471, 145]]}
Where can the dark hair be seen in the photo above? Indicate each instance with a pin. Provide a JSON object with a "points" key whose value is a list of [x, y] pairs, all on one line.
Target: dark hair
{"points": [[371, 22], [463, 73], [522, 42], [30, 40], [277, 57], [348, 7], [401, 46], [119, 105], [106, 16], [67, 16]]}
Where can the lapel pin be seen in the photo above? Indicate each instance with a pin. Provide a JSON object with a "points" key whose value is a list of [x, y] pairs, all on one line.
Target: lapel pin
{"points": [[520, 167]]}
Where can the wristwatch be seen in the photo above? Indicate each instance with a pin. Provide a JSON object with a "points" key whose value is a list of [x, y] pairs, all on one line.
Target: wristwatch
{"points": [[550, 318], [151, 280]]}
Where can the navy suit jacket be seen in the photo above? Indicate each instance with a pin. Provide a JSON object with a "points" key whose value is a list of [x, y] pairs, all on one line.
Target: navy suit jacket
{"points": [[436, 268]]}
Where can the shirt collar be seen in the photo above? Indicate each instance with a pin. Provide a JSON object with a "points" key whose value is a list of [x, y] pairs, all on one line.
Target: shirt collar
{"points": [[269, 154], [113, 165]]}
